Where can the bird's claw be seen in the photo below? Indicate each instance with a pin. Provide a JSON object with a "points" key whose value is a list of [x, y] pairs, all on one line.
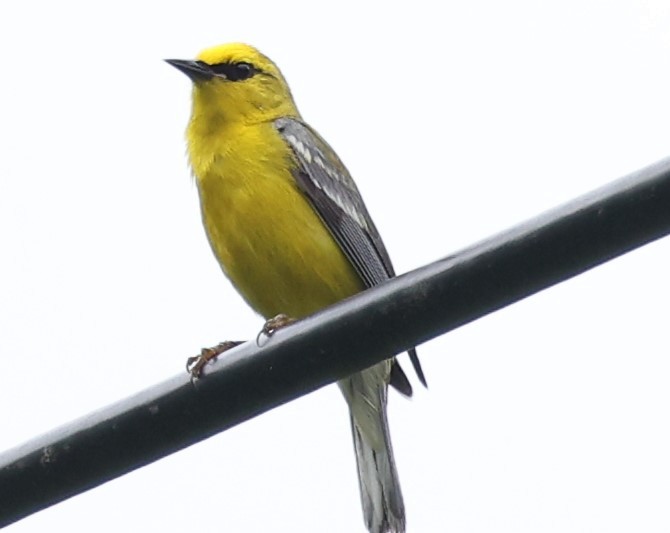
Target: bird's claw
{"points": [[195, 364], [273, 324]]}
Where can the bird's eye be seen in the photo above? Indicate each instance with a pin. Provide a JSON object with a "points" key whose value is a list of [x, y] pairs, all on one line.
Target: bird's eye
{"points": [[234, 71], [242, 71]]}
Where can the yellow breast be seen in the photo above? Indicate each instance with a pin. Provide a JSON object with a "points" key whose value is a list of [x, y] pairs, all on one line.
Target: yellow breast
{"points": [[264, 233]]}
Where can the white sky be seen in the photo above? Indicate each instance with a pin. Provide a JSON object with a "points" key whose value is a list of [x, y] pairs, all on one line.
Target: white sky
{"points": [[456, 121]]}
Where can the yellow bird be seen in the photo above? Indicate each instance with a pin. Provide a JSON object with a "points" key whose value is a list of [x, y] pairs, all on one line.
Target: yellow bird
{"points": [[290, 230]]}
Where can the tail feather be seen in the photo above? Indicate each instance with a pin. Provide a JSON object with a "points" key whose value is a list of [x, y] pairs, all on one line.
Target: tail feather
{"points": [[381, 497], [383, 508]]}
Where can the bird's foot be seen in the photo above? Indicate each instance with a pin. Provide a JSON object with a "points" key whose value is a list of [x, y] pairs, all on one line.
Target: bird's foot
{"points": [[195, 364], [273, 324]]}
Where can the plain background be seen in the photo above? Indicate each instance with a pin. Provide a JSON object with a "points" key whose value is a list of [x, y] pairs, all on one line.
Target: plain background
{"points": [[457, 120]]}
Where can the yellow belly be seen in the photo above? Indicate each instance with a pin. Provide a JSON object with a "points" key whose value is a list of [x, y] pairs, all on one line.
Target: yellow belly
{"points": [[266, 236]]}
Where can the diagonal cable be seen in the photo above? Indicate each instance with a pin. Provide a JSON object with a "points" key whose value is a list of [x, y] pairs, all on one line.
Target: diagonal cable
{"points": [[336, 342]]}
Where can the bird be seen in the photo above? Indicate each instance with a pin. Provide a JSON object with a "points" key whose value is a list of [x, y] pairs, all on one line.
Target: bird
{"points": [[290, 230]]}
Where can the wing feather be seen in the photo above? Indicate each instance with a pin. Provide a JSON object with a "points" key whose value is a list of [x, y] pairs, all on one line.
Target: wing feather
{"points": [[325, 181]]}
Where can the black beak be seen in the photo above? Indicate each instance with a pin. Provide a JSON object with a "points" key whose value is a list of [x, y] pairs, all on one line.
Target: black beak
{"points": [[196, 70]]}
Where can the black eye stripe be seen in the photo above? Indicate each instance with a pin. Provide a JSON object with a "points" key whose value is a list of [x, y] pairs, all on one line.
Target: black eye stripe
{"points": [[234, 71]]}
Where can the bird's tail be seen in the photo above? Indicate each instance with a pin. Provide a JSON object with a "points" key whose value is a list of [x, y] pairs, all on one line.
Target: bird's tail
{"points": [[383, 507]]}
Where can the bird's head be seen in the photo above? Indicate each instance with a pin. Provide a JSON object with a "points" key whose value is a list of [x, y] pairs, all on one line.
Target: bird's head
{"points": [[235, 83]]}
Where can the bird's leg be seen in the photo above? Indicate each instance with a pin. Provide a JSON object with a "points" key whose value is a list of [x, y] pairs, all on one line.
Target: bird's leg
{"points": [[195, 364], [273, 324]]}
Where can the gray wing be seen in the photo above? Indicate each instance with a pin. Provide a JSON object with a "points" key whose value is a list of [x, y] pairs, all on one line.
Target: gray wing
{"points": [[325, 181]]}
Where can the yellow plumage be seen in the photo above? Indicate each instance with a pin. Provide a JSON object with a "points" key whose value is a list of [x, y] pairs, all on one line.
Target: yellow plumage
{"points": [[290, 230], [267, 238]]}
